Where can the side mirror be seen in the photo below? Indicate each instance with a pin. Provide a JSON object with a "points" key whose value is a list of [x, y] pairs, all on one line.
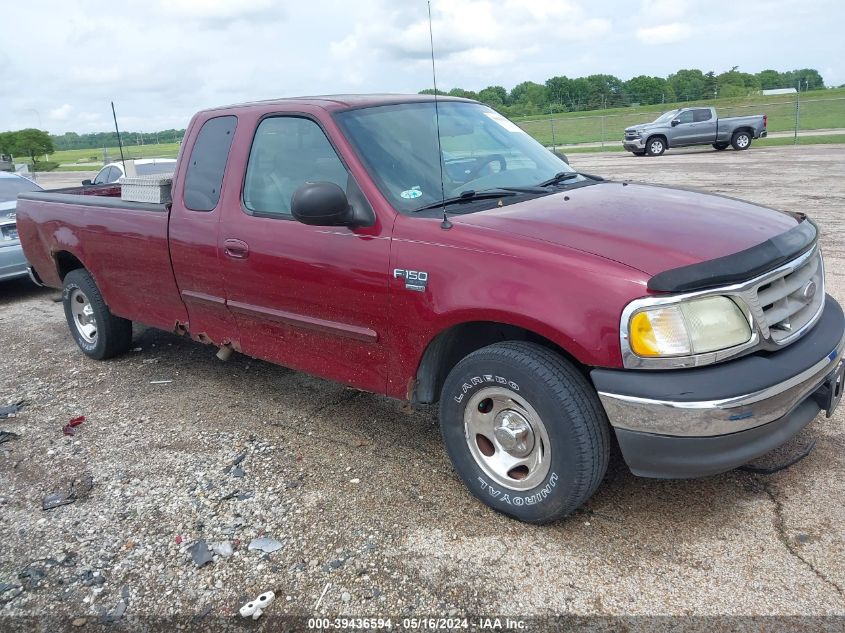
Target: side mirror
{"points": [[675, 122], [561, 156], [322, 204], [86, 182]]}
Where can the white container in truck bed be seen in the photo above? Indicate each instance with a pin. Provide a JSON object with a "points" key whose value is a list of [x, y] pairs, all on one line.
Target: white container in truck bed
{"points": [[155, 188]]}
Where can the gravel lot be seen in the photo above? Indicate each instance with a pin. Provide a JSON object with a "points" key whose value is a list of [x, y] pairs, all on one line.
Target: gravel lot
{"points": [[359, 492]]}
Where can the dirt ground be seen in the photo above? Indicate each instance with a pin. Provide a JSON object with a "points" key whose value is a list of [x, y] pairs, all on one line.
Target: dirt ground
{"points": [[359, 492]]}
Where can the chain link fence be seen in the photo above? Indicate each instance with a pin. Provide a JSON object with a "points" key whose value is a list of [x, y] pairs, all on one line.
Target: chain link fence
{"points": [[784, 117]]}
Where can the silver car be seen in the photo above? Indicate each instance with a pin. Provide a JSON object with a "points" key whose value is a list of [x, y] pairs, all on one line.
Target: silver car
{"points": [[12, 261]]}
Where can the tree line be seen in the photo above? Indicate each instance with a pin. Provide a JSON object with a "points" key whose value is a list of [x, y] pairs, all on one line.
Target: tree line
{"points": [[99, 140], [596, 92]]}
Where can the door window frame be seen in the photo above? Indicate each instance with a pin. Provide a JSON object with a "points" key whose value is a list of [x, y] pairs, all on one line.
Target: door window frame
{"points": [[291, 115]]}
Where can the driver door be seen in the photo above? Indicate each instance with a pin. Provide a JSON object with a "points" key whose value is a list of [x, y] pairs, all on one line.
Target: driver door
{"points": [[307, 297]]}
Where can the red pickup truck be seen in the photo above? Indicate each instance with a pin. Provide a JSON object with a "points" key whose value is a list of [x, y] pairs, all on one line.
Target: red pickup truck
{"points": [[435, 252]]}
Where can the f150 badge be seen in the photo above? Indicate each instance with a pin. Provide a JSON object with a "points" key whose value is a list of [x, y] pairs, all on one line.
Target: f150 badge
{"points": [[414, 279]]}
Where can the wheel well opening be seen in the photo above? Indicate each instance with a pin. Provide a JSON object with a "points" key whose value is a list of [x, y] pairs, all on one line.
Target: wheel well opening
{"points": [[660, 136], [66, 262], [450, 346], [747, 130]]}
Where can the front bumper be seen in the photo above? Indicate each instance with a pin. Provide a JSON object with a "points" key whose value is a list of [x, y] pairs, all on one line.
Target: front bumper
{"points": [[633, 144], [702, 421]]}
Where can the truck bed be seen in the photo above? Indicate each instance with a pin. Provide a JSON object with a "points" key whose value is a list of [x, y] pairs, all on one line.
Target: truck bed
{"points": [[122, 244]]}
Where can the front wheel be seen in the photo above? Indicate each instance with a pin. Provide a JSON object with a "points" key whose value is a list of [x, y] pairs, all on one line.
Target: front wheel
{"points": [[524, 430], [655, 146], [741, 140], [98, 332]]}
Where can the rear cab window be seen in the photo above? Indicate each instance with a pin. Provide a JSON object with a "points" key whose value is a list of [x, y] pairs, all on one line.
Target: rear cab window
{"points": [[701, 114], [207, 163]]}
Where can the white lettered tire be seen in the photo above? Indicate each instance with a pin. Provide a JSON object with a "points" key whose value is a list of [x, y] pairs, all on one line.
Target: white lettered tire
{"points": [[525, 430]]}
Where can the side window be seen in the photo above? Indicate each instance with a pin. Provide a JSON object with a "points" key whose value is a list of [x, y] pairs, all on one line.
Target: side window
{"points": [[208, 162], [702, 114], [685, 117], [286, 153], [113, 175]]}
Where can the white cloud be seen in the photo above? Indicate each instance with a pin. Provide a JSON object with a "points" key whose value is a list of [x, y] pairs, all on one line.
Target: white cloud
{"points": [[60, 68], [664, 33], [62, 113]]}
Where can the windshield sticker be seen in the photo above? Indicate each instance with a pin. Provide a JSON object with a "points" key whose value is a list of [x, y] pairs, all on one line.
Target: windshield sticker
{"points": [[508, 125], [410, 194]]}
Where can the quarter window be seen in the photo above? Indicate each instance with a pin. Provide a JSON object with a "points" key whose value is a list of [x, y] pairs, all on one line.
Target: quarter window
{"points": [[286, 153], [208, 162]]}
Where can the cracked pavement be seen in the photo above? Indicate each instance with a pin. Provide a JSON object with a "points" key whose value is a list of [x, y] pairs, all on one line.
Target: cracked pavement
{"points": [[405, 537]]}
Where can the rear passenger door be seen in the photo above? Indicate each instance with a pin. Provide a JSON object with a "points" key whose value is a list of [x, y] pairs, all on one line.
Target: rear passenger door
{"points": [[194, 230], [307, 297]]}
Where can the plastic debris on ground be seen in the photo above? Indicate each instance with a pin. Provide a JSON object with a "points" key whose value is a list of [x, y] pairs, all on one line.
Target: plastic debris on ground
{"points": [[6, 436], [255, 608], [200, 553], [265, 544], [11, 410], [77, 489], [70, 427]]}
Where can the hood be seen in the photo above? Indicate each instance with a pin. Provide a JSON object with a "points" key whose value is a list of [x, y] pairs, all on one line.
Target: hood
{"points": [[650, 228], [640, 126]]}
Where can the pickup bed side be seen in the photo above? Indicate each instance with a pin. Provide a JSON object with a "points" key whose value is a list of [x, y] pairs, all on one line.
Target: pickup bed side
{"points": [[123, 245]]}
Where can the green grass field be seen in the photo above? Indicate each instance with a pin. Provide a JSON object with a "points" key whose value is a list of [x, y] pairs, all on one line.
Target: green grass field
{"points": [[820, 109], [162, 150]]}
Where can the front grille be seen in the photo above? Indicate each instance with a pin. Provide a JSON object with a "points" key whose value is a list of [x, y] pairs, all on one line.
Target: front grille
{"points": [[792, 300], [630, 136]]}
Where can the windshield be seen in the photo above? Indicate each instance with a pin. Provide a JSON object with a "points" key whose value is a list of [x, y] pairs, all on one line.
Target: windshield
{"points": [[481, 150], [11, 187], [666, 116]]}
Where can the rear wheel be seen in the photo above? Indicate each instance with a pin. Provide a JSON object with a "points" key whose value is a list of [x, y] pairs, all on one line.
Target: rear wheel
{"points": [[741, 140], [98, 332], [720, 146], [525, 431], [655, 146]]}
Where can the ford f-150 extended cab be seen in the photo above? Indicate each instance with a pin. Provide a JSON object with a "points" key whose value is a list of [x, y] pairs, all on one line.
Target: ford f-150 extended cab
{"points": [[694, 126], [549, 312]]}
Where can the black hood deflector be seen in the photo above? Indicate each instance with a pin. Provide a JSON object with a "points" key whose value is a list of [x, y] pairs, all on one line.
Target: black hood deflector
{"points": [[740, 266]]}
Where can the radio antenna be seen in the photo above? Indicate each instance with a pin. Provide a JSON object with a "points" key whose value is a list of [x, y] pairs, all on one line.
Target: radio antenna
{"points": [[119, 144], [446, 224]]}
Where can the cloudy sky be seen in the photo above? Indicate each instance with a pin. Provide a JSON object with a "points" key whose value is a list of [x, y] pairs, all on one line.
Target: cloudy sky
{"points": [[161, 60]]}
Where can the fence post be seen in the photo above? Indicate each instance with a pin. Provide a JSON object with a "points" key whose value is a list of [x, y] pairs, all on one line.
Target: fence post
{"points": [[602, 131], [552, 122], [797, 115]]}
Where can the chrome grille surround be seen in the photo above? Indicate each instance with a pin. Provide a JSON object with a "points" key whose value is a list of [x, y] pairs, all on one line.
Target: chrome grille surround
{"points": [[774, 303]]}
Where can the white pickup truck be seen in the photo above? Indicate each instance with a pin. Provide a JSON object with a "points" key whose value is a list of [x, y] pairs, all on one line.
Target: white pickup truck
{"points": [[694, 126]]}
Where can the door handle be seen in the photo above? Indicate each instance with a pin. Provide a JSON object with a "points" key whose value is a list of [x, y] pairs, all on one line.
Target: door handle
{"points": [[236, 249]]}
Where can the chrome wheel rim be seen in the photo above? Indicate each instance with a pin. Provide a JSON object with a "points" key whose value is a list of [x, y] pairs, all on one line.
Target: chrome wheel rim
{"points": [[507, 438], [83, 316], [656, 147], [742, 140]]}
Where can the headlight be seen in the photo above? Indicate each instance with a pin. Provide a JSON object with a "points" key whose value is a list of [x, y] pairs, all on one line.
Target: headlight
{"points": [[689, 327]]}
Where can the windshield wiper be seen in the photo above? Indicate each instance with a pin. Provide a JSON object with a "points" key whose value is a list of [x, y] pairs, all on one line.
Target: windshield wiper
{"points": [[562, 176], [469, 196]]}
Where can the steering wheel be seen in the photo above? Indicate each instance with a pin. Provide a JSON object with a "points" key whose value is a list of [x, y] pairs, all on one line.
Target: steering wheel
{"points": [[484, 161]]}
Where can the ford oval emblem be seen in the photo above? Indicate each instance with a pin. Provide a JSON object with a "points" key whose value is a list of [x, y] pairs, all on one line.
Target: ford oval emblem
{"points": [[809, 290]]}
